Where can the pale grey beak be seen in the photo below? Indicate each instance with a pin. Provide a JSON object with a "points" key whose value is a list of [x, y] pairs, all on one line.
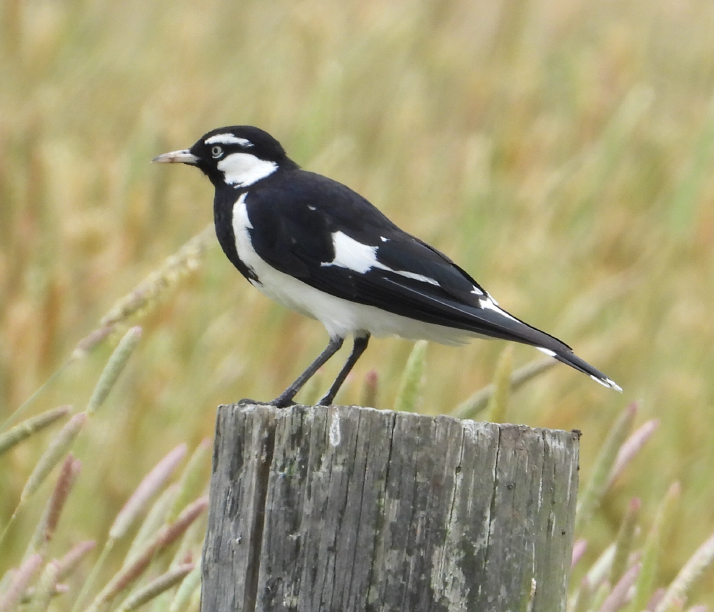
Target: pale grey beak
{"points": [[177, 157]]}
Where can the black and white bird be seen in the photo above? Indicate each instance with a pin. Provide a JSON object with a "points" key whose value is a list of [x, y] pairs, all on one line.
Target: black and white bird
{"points": [[317, 247]]}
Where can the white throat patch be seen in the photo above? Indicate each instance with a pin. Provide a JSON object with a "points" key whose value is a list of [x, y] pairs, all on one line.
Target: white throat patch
{"points": [[243, 169]]}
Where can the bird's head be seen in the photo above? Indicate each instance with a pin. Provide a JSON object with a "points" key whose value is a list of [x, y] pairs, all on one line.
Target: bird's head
{"points": [[235, 156]]}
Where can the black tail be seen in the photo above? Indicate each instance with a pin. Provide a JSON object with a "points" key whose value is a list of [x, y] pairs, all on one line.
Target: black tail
{"points": [[496, 322], [476, 312], [571, 359]]}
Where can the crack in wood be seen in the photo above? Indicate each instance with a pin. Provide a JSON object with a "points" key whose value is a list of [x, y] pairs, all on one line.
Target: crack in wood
{"points": [[261, 497]]}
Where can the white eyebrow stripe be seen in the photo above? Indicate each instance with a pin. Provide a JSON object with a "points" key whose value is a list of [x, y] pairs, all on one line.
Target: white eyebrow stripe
{"points": [[227, 139]]}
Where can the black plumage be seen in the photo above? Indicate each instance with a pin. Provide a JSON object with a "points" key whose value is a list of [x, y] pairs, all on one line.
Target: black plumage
{"points": [[320, 248]]}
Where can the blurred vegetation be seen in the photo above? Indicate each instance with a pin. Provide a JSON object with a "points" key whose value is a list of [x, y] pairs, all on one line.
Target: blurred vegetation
{"points": [[560, 151]]}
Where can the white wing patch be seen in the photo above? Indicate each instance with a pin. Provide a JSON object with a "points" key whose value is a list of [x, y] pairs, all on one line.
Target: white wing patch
{"points": [[243, 169], [546, 351], [226, 139], [361, 258], [353, 255]]}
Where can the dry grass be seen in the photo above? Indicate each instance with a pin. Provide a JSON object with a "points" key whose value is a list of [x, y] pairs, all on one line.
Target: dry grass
{"points": [[559, 151]]}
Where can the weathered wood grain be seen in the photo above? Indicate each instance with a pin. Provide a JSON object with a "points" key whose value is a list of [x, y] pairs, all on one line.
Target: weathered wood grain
{"points": [[317, 509]]}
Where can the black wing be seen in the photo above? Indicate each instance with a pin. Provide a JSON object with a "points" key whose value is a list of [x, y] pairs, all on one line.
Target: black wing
{"points": [[293, 227], [416, 280]]}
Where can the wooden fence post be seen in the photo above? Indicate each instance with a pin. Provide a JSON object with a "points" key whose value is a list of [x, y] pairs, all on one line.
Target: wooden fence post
{"points": [[348, 509]]}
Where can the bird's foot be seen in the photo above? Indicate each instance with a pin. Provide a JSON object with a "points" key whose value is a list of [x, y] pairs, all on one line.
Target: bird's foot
{"points": [[277, 402]]}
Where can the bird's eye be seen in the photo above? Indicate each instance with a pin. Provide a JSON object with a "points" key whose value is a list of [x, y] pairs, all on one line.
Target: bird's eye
{"points": [[216, 151]]}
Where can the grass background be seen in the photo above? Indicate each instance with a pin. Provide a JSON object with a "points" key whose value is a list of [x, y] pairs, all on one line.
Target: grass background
{"points": [[560, 151]]}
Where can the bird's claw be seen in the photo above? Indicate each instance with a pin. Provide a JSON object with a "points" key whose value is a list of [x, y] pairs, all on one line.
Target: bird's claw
{"points": [[277, 402]]}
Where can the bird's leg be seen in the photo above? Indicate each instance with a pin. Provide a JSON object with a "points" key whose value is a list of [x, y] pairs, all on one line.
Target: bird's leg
{"points": [[286, 397], [359, 347]]}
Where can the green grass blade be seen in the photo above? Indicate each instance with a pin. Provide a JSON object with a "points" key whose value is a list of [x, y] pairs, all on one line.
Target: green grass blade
{"points": [[412, 383], [113, 369], [31, 426], [189, 585], [497, 409], [597, 485], [678, 590], [644, 586], [472, 406], [156, 587], [193, 478], [150, 485], [623, 544]]}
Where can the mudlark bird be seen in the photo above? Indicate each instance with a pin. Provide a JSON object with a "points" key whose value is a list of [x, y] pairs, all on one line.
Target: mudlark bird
{"points": [[317, 247]]}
